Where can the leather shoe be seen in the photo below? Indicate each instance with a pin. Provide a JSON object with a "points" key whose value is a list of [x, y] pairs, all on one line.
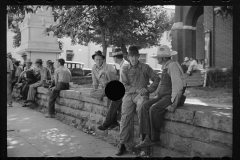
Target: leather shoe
{"points": [[121, 150], [102, 127], [113, 126]]}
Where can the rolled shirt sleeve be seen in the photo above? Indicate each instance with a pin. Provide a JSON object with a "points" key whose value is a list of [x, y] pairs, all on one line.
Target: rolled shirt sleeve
{"points": [[155, 78], [177, 84]]}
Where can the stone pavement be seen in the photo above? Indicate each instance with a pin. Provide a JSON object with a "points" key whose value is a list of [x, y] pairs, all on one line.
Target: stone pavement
{"points": [[30, 134]]}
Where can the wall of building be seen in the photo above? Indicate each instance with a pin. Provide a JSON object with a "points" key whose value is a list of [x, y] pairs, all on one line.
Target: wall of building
{"points": [[200, 38]]}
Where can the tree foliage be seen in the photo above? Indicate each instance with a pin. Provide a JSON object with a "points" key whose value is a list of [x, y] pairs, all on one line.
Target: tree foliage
{"points": [[224, 11], [105, 25]]}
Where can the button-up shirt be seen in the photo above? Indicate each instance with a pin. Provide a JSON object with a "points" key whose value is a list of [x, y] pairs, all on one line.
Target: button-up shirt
{"points": [[62, 74], [9, 65], [124, 62], [96, 71], [45, 74], [137, 77], [177, 78]]}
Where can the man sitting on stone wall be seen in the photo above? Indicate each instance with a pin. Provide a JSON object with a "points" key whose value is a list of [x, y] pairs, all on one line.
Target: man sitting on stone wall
{"points": [[135, 78], [102, 73], [62, 77], [45, 75], [115, 106], [169, 93], [192, 66]]}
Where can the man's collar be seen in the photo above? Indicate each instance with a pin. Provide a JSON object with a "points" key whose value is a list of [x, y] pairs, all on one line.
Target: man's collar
{"points": [[138, 65], [103, 64], [164, 66]]}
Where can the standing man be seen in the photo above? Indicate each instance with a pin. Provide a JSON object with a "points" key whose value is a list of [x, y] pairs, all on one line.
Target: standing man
{"points": [[45, 75], [24, 57], [62, 80], [169, 92], [9, 81], [135, 77], [17, 73], [115, 106], [102, 73]]}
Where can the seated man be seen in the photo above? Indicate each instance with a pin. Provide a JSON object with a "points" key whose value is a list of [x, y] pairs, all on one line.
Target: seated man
{"points": [[17, 73], [135, 77], [45, 75], [115, 106], [102, 73], [169, 92], [62, 79], [185, 64], [192, 66]]}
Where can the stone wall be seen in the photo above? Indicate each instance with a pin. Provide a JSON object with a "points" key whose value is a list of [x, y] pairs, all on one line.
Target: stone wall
{"points": [[192, 130]]}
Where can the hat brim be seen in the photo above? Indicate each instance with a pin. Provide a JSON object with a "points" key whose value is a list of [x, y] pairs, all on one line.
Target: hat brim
{"points": [[173, 53], [93, 56]]}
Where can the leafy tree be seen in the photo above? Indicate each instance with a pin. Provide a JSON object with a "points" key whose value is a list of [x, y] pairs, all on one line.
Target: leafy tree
{"points": [[224, 11], [108, 25]]}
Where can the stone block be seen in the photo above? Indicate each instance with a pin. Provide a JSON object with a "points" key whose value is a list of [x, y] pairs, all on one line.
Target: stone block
{"points": [[72, 103], [42, 103], [42, 90], [97, 109], [163, 152], [199, 133], [43, 97], [70, 94], [87, 106], [180, 144], [181, 115], [207, 150], [86, 98], [215, 120], [113, 136]]}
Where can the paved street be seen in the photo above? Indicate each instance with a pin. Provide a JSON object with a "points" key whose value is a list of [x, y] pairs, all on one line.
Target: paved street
{"points": [[30, 134]]}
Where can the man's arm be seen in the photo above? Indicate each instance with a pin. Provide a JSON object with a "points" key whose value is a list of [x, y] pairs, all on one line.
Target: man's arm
{"points": [[94, 79], [111, 68], [177, 84], [154, 77], [125, 81]]}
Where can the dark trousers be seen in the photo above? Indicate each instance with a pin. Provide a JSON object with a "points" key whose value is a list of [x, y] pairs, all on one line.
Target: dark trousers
{"points": [[184, 68], [14, 82], [113, 112], [24, 89], [152, 116], [53, 96]]}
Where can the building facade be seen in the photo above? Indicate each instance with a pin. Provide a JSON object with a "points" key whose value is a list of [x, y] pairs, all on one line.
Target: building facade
{"points": [[202, 35]]}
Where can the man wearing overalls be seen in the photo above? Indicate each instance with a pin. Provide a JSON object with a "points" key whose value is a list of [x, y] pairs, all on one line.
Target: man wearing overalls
{"points": [[169, 92], [135, 78]]}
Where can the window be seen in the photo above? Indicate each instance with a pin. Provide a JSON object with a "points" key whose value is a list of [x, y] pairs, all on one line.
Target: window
{"points": [[143, 57], [69, 54]]}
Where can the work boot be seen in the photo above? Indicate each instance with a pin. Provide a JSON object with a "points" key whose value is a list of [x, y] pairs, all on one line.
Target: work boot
{"points": [[146, 143], [102, 127], [121, 150], [113, 126]]}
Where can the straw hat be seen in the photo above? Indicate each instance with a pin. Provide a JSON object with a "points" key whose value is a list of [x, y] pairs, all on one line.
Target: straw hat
{"points": [[164, 51]]}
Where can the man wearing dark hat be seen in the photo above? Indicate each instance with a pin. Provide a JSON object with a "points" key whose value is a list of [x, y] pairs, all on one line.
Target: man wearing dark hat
{"points": [[135, 77], [102, 73], [115, 106], [45, 75], [169, 92], [9, 81], [24, 57]]}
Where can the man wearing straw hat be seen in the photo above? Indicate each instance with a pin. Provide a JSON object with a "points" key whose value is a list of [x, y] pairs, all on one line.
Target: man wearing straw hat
{"points": [[169, 92], [115, 106], [135, 77]]}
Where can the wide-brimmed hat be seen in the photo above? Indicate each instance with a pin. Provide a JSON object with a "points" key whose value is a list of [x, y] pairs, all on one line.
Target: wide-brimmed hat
{"points": [[98, 53], [24, 54], [186, 59], [39, 61], [133, 52], [28, 61], [164, 51], [49, 61], [116, 52]]}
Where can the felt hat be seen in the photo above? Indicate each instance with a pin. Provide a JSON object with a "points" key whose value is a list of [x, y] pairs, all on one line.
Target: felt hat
{"points": [[49, 61], [164, 51], [133, 51], [24, 54], [98, 53], [116, 52], [186, 59], [39, 61]]}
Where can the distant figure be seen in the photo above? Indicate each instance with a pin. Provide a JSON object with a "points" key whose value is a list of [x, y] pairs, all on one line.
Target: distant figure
{"points": [[17, 73], [24, 57], [51, 70], [185, 64], [192, 66], [9, 81]]}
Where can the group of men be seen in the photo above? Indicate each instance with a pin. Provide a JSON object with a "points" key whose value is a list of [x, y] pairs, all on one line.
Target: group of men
{"points": [[189, 65], [135, 77], [35, 76]]}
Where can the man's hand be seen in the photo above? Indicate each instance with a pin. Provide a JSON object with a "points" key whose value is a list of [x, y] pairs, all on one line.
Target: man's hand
{"points": [[142, 91], [101, 73], [170, 108]]}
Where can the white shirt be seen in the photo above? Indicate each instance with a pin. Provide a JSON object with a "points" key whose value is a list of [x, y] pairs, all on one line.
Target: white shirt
{"points": [[124, 62]]}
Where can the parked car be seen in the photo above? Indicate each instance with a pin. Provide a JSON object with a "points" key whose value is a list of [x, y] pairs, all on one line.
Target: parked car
{"points": [[76, 68]]}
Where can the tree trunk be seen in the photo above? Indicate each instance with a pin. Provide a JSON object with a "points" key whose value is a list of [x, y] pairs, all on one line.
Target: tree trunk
{"points": [[124, 50], [104, 45]]}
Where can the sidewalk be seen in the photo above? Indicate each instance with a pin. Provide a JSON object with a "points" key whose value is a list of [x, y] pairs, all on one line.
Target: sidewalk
{"points": [[30, 134]]}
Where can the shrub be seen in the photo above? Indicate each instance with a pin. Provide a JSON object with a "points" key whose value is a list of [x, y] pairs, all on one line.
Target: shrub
{"points": [[217, 78]]}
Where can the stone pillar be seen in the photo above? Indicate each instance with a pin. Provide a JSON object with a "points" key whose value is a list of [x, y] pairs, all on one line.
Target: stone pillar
{"points": [[33, 42]]}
